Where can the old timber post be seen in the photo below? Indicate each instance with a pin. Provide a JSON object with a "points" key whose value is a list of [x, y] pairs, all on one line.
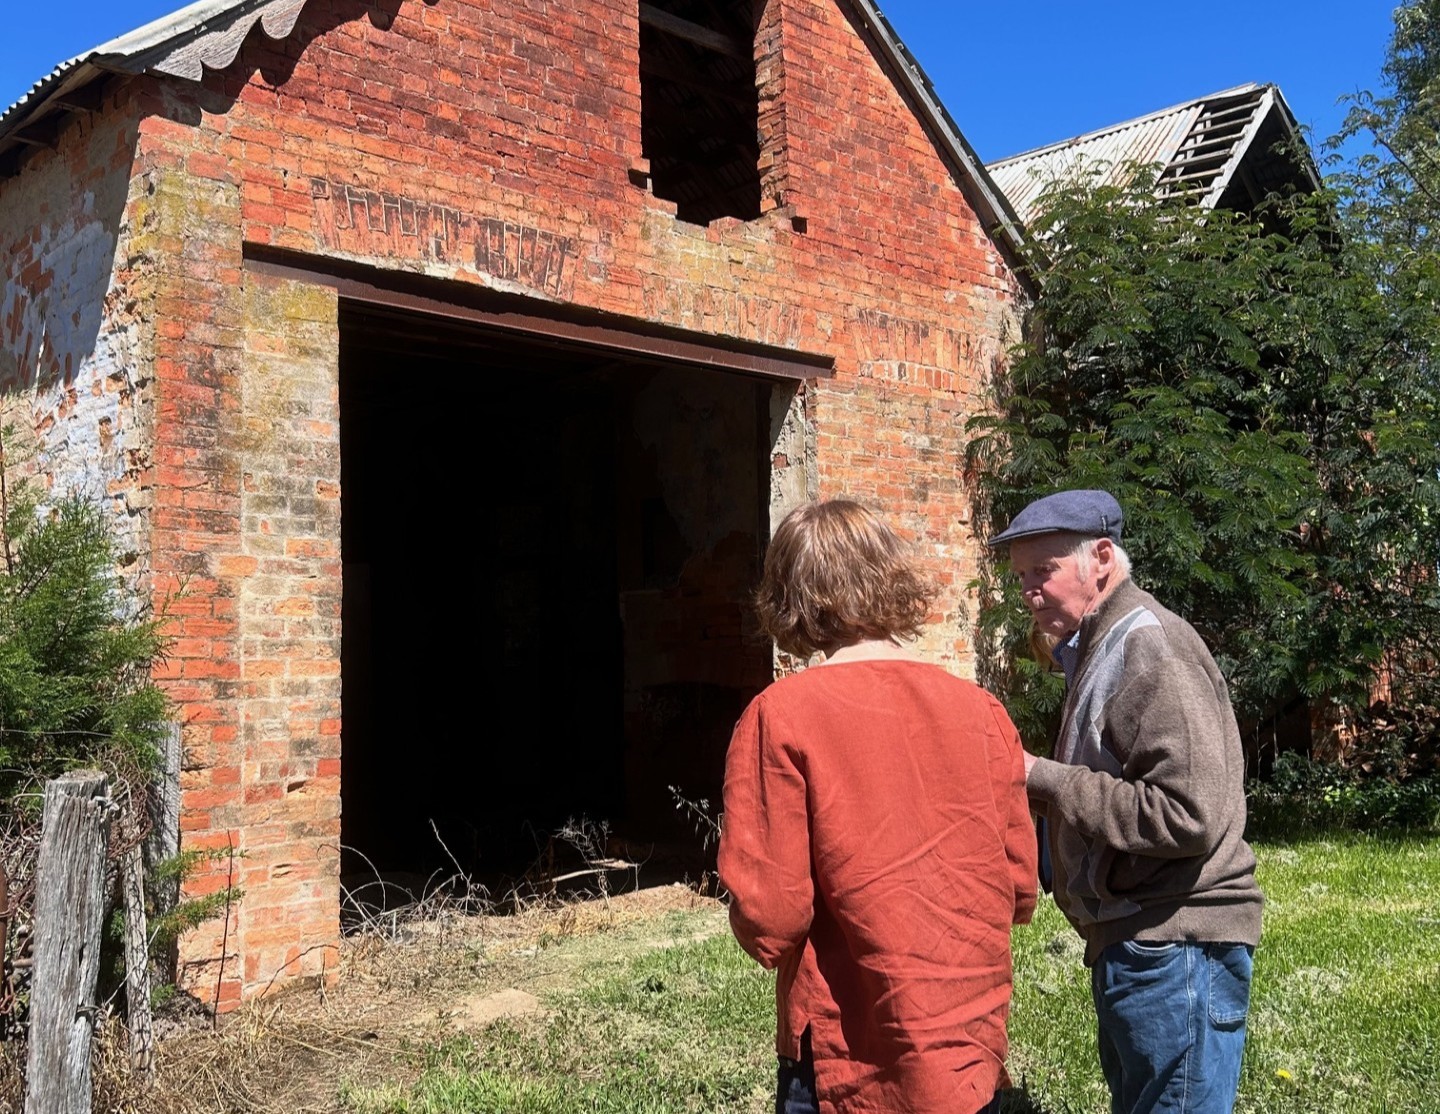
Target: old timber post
{"points": [[131, 867], [4, 917], [69, 908]]}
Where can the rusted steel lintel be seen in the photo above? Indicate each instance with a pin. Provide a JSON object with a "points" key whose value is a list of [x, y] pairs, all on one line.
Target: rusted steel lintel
{"points": [[600, 338]]}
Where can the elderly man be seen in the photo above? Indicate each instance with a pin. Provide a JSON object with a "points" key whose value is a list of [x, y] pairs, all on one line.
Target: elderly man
{"points": [[1142, 811]]}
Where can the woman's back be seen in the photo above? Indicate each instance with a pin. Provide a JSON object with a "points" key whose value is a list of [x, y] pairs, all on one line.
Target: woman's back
{"points": [[875, 814]]}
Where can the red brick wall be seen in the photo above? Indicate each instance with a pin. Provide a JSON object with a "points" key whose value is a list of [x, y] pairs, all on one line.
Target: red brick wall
{"points": [[490, 143]]}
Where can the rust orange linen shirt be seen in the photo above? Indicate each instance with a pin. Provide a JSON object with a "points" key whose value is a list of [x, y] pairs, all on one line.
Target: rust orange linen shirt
{"points": [[877, 845]]}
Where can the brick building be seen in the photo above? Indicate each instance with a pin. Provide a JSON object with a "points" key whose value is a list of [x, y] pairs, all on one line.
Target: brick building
{"points": [[563, 305]]}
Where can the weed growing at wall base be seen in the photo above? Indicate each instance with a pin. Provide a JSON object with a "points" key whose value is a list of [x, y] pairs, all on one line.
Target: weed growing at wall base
{"points": [[76, 651]]}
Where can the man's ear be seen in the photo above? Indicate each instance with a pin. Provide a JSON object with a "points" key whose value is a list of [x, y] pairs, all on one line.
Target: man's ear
{"points": [[1104, 558]]}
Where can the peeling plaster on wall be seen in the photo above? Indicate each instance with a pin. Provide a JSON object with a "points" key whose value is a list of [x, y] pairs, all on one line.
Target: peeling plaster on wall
{"points": [[792, 455], [83, 415], [70, 358], [794, 478], [54, 295]]}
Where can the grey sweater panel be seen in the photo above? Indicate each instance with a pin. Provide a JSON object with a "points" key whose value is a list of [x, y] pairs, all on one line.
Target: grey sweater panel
{"points": [[1080, 742], [1145, 796]]}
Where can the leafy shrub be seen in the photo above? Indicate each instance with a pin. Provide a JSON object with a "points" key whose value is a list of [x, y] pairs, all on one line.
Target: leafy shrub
{"points": [[1400, 742], [76, 653], [1303, 795]]}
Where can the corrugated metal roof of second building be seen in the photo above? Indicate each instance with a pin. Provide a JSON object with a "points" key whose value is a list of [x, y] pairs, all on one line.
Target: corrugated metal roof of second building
{"points": [[1196, 147]]}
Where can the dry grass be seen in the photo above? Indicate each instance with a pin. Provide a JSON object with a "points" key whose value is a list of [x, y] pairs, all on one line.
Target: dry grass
{"points": [[404, 984]]}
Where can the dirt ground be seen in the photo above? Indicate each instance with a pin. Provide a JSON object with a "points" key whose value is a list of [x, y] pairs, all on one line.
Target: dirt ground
{"points": [[404, 985]]}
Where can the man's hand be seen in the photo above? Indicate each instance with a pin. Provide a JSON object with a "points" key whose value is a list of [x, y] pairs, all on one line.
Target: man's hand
{"points": [[1030, 761]]}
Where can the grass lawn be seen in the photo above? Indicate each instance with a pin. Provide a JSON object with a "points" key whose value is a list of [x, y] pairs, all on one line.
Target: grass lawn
{"points": [[1345, 1013], [1345, 1007]]}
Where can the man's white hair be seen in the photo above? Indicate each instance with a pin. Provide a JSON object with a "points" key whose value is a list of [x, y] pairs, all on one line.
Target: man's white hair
{"points": [[1084, 548]]}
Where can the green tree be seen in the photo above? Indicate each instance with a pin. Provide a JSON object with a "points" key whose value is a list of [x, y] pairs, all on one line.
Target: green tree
{"points": [[76, 654], [1393, 191], [1390, 202], [1258, 391]]}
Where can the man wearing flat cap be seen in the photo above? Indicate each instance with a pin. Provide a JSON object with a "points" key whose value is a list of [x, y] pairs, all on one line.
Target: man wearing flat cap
{"points": [[1142, 812]]}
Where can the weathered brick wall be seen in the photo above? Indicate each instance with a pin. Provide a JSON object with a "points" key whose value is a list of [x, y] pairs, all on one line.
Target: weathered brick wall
{"points": [[493, 144], [927, 315], [247, 536], [514, 151], [138, 369], [195, 522], [75, 367], [288, 599]]}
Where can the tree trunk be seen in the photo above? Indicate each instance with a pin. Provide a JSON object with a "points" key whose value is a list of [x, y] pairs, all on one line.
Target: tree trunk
{"points": [[69, 909]]}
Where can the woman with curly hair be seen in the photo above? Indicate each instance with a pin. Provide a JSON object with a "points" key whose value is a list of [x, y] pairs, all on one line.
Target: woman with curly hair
{"points": [[876, 842]]}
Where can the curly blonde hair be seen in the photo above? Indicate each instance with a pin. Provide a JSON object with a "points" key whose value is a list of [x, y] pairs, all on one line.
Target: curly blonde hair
{"points": [[836, 574]]}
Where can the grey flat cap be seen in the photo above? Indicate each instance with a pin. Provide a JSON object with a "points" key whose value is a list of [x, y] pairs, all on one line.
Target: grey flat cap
{"points": [[1095, 513]]}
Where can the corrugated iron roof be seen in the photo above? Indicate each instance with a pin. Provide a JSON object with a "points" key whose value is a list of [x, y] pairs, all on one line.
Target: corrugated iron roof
{"points": [[1197, 148], [1102, 155], [206, 34]]}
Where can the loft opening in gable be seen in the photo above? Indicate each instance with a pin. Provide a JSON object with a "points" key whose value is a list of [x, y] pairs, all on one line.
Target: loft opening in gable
{"points": [[700, 107]]}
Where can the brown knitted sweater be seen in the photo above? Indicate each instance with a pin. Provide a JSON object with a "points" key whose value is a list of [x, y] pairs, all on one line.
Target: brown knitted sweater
{"points": [[1144, 794]]}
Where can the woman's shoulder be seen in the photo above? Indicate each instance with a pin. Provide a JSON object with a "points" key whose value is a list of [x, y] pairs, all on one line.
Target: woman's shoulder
{"points": [[853, 676]]}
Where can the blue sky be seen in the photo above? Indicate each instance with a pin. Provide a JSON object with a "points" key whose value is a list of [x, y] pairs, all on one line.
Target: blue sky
{"points": [[1014, 76]]}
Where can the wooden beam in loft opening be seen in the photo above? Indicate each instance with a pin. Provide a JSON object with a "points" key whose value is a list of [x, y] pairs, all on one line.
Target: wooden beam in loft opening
{"points": [[86, 98], [45, 133], [694, 33]]}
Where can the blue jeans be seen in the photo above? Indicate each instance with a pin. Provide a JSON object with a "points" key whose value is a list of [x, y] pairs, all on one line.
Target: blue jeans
{"points": [[795, 1086], [1172, 1025]]}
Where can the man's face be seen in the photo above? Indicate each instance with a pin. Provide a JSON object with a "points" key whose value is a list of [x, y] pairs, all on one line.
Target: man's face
{"points": [[1051, 581]]}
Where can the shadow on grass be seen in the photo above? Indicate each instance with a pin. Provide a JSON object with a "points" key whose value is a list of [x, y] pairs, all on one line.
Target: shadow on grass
{"points": [[1275, 833], [1018, 1100]]}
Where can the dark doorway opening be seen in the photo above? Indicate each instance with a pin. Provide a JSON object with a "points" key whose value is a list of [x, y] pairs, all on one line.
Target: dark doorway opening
{"points": [[547, 556]]}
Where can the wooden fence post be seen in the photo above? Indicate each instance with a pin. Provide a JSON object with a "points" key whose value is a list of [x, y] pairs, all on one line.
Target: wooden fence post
{"points": [[137, 962], [164, 801], [164, 840], [4, 915], [69, 909]]}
